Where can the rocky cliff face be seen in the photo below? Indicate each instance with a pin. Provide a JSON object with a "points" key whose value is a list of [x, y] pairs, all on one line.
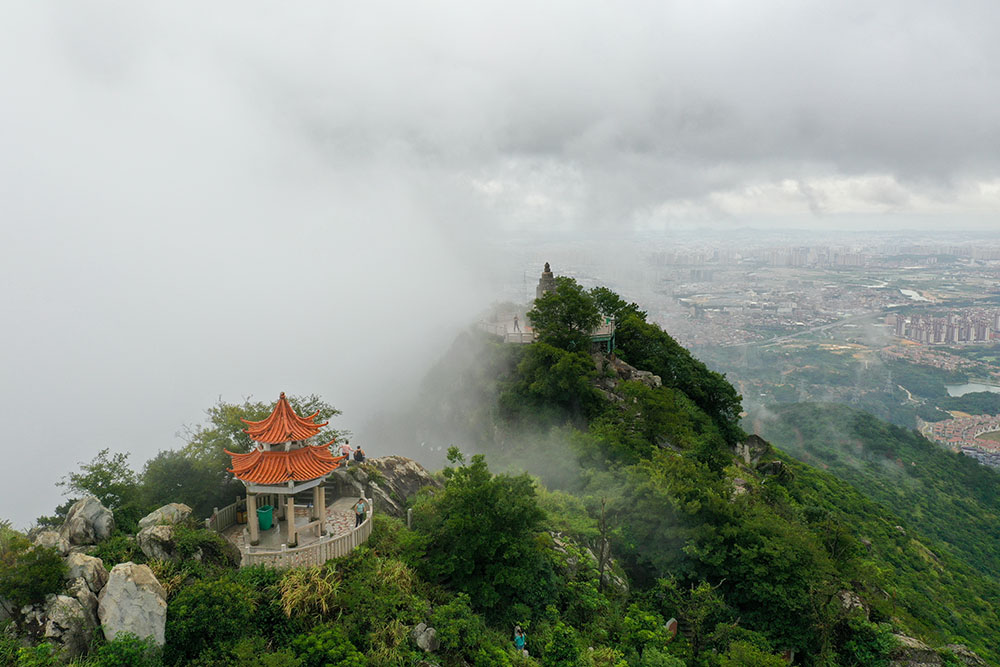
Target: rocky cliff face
{"points": [[615, 371], [387, 480]]}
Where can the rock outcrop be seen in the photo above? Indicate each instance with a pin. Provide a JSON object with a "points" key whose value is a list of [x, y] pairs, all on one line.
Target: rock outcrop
{"points": [[912, 652], [133, 601], [752, 449], [966, 656], [157, 542], [53, 540], [61, 620], [88, 522], [170, 514], [88, 568], [79, 589], [425, 637], [614, 371], [387, 480], [569, 549]]}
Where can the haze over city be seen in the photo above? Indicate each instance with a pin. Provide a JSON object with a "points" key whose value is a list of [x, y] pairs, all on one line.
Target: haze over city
{"points": [[247, 199]]}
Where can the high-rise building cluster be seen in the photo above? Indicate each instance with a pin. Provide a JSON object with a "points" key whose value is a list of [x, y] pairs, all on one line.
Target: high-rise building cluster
{"points": [[953, 329]]}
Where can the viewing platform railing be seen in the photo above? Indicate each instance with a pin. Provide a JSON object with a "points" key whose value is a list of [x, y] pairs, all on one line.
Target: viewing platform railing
{"points": [[315, 553]]}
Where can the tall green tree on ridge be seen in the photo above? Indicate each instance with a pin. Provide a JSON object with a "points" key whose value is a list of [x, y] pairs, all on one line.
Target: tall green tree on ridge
{"points": [[565, 317]]}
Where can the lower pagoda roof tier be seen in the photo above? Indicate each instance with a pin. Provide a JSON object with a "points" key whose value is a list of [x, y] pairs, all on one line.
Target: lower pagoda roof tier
{"points": [[299, 465], [283, 425]]}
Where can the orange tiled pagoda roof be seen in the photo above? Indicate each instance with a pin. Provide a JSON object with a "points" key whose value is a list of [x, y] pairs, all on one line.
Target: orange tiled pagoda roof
{"points": [[283, 425], [298, 465]]}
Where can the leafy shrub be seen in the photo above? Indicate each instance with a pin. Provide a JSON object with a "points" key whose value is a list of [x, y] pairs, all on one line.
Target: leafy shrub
{"points": [[327, 645], [654, 657], [377, 597], [214, 548], [119, 549], [8, 646], [458, 628], [247, 652], [561, 650], [482, 539], [865, 643], [127, 649], [309, 591], [27, 573], [42, 655], [270, 615], [206, 613], [745, 654]]}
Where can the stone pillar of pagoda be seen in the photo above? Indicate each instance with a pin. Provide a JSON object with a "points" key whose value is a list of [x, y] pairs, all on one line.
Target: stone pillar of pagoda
{"points": [[252, 519], [290, 521], [322, 509]]}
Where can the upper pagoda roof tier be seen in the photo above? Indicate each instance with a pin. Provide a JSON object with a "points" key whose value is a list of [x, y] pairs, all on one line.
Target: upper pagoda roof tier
{"points": [[283, 425], [299, 465]]}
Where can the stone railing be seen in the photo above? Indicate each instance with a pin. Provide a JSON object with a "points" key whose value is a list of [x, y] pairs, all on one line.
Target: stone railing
{"points": [[222, 519], [316, 553], [226, 517]]}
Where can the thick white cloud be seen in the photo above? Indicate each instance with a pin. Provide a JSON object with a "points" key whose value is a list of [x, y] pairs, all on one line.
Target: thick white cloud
{"points": [[239, 197]]}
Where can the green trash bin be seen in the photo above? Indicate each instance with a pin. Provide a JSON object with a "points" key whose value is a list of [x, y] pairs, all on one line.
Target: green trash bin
{"points": [[264, 516]]}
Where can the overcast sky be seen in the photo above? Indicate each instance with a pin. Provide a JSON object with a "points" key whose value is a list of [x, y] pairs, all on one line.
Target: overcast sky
{"points": [[232, 199]]}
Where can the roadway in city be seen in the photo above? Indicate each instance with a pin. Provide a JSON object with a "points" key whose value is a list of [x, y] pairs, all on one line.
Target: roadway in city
{"points": [[822, 327]]}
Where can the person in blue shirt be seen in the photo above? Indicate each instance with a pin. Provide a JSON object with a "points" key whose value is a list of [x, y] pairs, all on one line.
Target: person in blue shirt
{"points": [[520, 639]]}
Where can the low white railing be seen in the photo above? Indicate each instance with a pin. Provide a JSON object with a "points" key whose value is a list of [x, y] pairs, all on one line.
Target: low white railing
{"points": [[316, 553], [222, 519]]}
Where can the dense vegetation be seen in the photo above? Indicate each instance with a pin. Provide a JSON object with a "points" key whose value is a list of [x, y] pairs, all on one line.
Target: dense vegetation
{"points": [[637, 512], [945, 495]]}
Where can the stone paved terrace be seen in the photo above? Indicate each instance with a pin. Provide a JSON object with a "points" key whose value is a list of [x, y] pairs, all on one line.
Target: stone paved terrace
{"points": [[339, 521]]}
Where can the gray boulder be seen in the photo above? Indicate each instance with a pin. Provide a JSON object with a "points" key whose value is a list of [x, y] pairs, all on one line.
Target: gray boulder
{"points": [[170, 514], [79, 590], [966, 656], [61, 620], [52, 539], [133, 601], [393, 480], [157, 542], [425, 637], [88, 522], [88, 568], [912, 652]]}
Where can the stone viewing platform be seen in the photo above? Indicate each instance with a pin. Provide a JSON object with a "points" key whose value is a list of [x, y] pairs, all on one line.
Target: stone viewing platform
{"points": [[339, 538]]}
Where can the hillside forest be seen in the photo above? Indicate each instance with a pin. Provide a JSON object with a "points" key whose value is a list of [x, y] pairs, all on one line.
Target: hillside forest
{"points": [[591, 498]]}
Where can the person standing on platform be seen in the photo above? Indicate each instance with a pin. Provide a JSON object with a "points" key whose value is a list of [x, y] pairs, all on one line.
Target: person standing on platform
{"points": [[345, 449], [360, 508]]}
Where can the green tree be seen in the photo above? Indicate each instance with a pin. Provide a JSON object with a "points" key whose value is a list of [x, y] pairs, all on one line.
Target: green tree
{"points": [[128, 649], [174, 476], [648, 347], [111, 480], [482, 538], [565, 317], [612, 305], [552, 383], [27, 573], [225, 429], [108, 477], [745, 654], [328, 646], [561, 650], [207, 613]]}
